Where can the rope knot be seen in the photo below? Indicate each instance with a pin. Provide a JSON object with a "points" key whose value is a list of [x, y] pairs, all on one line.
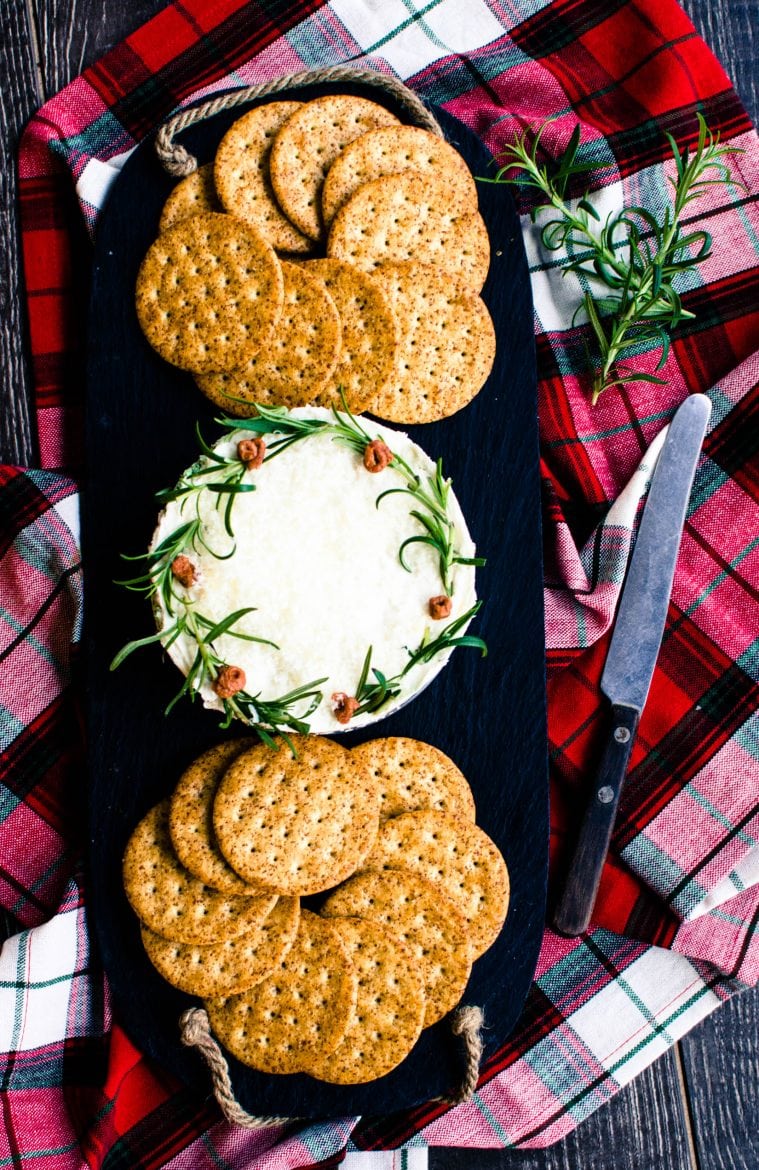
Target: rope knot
{"points": [[174, 158], [193, 1027], [467, 1020]]}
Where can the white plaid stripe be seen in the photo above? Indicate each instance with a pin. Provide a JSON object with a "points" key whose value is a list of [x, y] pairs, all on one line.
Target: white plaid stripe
{"points": [[36, 971], [745, 874], [646, 1009], [412, 1158]]}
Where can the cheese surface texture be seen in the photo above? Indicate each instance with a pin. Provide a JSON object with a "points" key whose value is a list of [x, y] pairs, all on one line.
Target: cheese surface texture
{"points": [[317, 559]]}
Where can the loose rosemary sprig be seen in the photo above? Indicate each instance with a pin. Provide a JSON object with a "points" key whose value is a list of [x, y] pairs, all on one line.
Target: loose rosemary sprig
{"points": [[439, 529], [373, 695], [633, 258]]}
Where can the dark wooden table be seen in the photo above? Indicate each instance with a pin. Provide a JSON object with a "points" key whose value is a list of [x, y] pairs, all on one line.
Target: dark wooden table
{"points": [[697, 1108]]}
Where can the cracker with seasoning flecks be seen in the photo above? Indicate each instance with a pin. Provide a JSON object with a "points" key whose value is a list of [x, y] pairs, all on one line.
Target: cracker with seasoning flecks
{"points": [[307, 145], [366, 368], [209, 293], [300, 1011], [456, 856], [413, 775], [390, 1005], [191, 819], [403, 217], [241, 173], [446, 344], [389, 151], [425, 919], [299, 363], [297, 824], [173, 903], [232, 964], [191, 196]]}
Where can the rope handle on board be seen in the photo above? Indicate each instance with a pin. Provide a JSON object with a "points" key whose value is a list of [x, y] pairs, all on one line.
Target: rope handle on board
{"points": [[180, 163], [195, 1032]]}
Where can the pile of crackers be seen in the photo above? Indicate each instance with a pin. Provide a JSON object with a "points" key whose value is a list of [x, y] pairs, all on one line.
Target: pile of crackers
{"points": [[413, 891], [327, 248]]}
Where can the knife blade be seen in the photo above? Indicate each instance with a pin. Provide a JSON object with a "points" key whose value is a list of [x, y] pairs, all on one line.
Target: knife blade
{"points": [[633, 651]]}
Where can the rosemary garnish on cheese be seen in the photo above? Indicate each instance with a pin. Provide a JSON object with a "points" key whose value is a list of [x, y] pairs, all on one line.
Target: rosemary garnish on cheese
{"points": [[430, 497], [373, 694], [178, 571]]}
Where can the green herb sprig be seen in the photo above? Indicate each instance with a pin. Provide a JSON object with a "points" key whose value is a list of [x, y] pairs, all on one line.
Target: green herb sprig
{"points": [[431, 497], [632, 258], [224, 476], [373, 693], [268, 717]]}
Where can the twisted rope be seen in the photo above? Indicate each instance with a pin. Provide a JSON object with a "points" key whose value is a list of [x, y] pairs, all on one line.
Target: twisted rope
{"points": [[179, 162], [467, 1023], [195, 1032]]}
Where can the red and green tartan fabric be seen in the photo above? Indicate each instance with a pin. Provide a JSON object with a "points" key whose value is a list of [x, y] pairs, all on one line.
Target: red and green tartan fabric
{"points": [[675, 927]]}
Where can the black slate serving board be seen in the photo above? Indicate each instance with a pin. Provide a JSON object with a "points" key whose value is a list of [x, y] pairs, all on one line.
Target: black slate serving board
{"points": [[487, 714]]}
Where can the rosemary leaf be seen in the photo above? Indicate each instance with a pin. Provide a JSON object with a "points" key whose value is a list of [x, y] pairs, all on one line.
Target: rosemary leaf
{"points": [[633, 260]]}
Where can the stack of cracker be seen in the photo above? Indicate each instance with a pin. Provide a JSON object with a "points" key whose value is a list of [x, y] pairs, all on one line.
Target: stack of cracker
{"points": [[328, 249], [415, 892]]}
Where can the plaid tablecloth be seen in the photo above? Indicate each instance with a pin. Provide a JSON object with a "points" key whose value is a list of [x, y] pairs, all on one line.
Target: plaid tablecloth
{"points": [[674, 932]]}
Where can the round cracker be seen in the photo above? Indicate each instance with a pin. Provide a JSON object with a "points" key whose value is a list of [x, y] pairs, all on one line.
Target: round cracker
{"points": [[308, 144], [241, 173], [229, 966], [296, 824], [209, 293], [191, 819], [302, 1010], [369, 331], [404, 217], [191, 196], [412, 775], [389, 151], [457, 857], [427, 922], [173, 903], [389, 1013], [446, 344], [300, 361]]}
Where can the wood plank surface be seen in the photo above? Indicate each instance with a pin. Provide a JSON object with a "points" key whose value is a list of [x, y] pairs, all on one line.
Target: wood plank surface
{"points": [[643, 1128], [721, 1069], [731, 29], [21, 97]]}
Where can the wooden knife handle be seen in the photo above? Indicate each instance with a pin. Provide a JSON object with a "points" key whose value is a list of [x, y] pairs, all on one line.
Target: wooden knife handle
{"points": [[576, 905]]}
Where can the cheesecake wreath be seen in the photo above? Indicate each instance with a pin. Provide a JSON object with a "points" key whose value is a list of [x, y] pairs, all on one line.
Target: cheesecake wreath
{"points": [[309, 571]]}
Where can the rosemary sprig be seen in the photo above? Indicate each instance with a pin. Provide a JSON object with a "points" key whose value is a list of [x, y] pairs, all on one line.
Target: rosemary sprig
{"points": [[275, 715], [343, 426], [632, 258], [437, 524], [228, 482], [372, 695], [267, 717], [222, 475], [432, 496]]}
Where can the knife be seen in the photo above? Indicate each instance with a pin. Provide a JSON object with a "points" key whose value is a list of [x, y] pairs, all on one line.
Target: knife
{"points": [[633, 651]]}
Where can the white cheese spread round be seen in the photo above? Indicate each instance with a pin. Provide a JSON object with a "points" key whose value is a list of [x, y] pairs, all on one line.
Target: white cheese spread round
{"points": [[314, 559]]}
